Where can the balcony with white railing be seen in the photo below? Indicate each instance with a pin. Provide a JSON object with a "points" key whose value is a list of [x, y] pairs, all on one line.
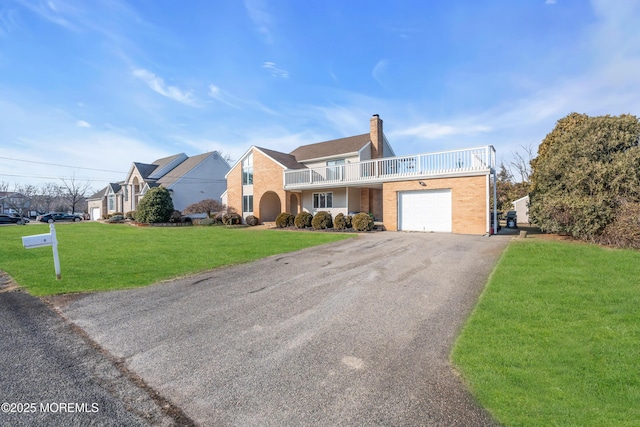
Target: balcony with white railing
{"points": [[445, 163]]}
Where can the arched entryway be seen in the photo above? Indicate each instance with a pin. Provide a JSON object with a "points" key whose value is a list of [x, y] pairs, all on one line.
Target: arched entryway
{"points": [[294, 204], [270, 206]]}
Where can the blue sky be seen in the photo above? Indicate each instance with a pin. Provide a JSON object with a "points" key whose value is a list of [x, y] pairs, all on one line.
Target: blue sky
{"points": [[88, 87]]}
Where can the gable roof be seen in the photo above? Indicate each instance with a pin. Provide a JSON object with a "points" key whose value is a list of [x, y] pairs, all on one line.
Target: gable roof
{"points": [[182, 169], [286, 160], [145, 169], [99, 195], [335, 147]]}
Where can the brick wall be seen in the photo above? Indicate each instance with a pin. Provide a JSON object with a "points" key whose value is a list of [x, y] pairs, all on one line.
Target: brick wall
{"points": [[468, 200], [267, 176]]}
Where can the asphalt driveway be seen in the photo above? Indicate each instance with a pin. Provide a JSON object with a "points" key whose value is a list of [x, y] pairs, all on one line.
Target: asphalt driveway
{"points": [[352, 333]]}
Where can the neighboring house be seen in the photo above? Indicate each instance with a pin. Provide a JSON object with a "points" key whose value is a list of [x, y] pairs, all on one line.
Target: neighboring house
{"points": [[97, 204], [521, 206], [188, 179], [445, 191], [12, 202]]}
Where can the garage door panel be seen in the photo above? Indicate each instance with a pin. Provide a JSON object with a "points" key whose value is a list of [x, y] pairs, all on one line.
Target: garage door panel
{"points": [[427, 210]]}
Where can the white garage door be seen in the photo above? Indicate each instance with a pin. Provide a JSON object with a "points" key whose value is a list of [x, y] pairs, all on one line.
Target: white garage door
{"points": [[95, 214], [428, 210]]}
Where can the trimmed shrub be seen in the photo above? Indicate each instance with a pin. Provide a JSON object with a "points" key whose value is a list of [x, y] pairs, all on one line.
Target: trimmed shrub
{"points": [[207, 221], [252, 220], [624, 231], [116, 218], [176, 217], [156, 206], [322, 220], [217, 218], [362, 222], [342, 222], [284, 220], [231, 219], [303, 220], [130, 215]]}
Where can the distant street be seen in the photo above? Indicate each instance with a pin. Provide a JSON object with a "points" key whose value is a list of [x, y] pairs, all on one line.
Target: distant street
{"points": [[50, 376]]}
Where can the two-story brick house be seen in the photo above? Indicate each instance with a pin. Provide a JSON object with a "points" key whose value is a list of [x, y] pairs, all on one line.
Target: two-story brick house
{"points": [[444, 191]]}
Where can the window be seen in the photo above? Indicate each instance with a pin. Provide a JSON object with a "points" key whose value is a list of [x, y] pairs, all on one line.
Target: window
{"points": [[333, 169], [112, 202], [247, 170], [247, 203], [322, 200]]}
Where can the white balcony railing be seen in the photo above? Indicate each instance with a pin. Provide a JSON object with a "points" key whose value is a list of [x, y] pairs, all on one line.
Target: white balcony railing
{"points": [[394, 168]]}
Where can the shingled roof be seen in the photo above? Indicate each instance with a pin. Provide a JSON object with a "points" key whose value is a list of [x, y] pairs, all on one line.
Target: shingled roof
{"points": [[286, 160], [182, 169], [331, 148]]}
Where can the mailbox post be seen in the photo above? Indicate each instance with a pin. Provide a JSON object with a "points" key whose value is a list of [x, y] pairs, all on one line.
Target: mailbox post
{"points": [[41, 240]]}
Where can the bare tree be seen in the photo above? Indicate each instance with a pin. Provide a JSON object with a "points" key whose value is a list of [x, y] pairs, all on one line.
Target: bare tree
{"points": [[4, 187], [521, 162], [75, 192], [207, 206], [46, 195], [20, 200]]}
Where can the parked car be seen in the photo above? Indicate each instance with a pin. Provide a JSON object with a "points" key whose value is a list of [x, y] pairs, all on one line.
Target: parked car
{"points": [[12, 219], [7, 219], [57, 216]]}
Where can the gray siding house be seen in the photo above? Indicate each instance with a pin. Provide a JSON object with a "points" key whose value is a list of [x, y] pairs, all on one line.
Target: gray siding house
{"points": [[188, 179]]}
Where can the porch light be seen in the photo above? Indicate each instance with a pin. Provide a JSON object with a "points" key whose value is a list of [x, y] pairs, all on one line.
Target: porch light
{"points": [[422, 183]]}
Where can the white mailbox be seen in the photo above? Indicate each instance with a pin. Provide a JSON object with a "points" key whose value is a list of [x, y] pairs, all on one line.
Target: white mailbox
{"points": [[41, 240], [37, 241]]}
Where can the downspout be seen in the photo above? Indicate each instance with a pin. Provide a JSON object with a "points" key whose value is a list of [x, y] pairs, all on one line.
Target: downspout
{"points": [[495, 203]]}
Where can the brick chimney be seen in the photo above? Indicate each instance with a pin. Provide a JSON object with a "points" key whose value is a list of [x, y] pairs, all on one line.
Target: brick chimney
{"points": [[377, 137]]}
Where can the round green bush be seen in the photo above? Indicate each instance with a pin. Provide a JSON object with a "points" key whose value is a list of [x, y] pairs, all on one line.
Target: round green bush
{"points": [[116, 218], [322, 220], [218, 218], [207, 221], [362, 222], [156, 206], [130, 215], [176, 217], [231, 219], [284, 220], [252, 220], [303, 220], [342, 222]]}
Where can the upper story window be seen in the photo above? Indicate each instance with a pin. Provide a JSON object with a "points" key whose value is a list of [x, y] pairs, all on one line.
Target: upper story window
{"points": [[334, 169], [247, 170]]}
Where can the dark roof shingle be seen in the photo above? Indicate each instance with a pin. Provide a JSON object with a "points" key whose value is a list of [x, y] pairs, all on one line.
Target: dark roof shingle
{"points": [[286, 160], [331, 148]]}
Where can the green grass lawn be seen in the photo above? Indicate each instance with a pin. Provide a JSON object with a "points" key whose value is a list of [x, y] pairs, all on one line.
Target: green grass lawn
{"points": [[96, 257], [555, 338]]}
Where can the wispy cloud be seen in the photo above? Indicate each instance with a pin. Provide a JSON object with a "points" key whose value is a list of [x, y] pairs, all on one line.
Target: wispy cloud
{"points": [[260, 17], [53, 12], [550, 2], [216, 93], [234, 102], [275, 71], [158, 85], [438, 130], [7, 21], [379, 70], [83, 124]]}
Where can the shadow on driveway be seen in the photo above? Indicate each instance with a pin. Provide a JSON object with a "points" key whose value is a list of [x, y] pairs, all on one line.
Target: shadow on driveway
{"points": [[357, 332]]}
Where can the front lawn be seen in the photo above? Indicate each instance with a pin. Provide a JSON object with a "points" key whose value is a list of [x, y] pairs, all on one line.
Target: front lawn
{"points": [[96, 257], [555, 338]]}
